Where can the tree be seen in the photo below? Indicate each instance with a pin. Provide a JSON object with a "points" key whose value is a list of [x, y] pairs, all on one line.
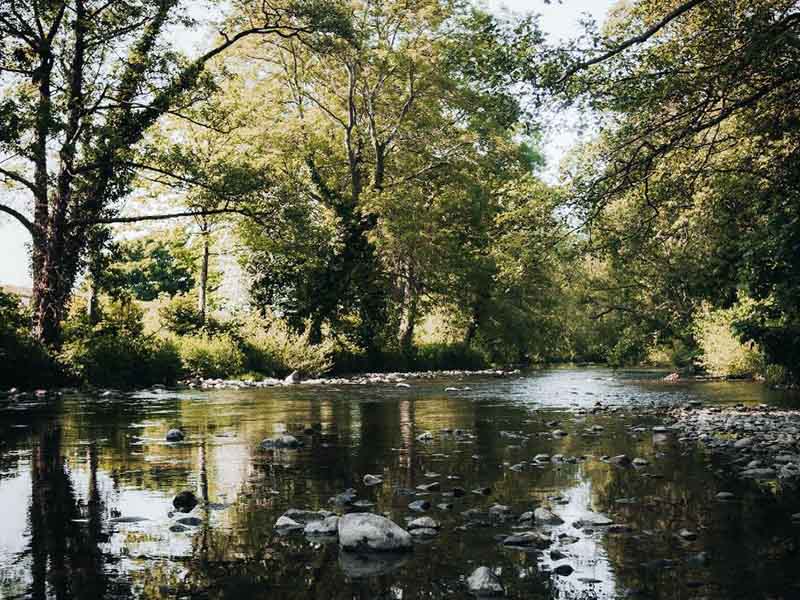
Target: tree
{"points": [[380, 141], [692, 187], [84, 81]]}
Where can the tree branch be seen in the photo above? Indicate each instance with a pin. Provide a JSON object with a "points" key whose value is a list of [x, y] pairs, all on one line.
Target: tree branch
{"points": [[19, 217], [637, 39]]}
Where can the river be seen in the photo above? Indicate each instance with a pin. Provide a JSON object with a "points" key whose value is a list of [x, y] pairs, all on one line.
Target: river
{"points": [[87, 483]]}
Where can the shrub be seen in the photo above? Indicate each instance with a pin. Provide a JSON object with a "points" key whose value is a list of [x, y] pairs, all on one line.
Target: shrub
{"points": [[115, 352], [277, 349], [180, 315], [443, 356], [723, 353], [23, 361], [207, 356]]}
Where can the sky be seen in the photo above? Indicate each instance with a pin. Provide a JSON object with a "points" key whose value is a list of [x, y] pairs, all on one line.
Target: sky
{"points": [[558, 18]]}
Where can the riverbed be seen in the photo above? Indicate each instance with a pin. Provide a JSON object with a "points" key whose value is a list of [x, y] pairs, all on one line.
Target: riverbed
{"points": [[87, 486]]}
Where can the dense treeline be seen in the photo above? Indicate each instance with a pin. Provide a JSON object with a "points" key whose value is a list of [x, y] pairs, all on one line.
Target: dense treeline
{"points": [[375, 166]]}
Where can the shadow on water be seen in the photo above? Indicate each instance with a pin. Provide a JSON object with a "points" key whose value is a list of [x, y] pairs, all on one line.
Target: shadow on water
{"points": [[86, 488]]}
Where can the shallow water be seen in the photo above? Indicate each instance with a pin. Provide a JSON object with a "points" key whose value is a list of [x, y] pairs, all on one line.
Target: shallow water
{"points": [[69, 467]]}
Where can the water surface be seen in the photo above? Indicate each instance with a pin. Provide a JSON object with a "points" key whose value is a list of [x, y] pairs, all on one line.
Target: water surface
{"points": [[70, 468]]}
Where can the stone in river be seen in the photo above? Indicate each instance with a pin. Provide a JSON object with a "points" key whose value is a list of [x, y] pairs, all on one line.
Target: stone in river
{"points": [[174, 435], [292, 378], [640, 462], [367, 532], [128, 519], [370, 480], [191, 521], [423, 523], [758, 474], [424, 532], [563, 570], [592, 520], [546, 517], [178, 528], [528, 539], [725, 496], [286, 524], [281, 441], [346, 498], [373, 564], [484, 583], [485, 491], [325, 528], [429, 487], [419, 505], [458, 492], [185, 501], [687, 535]]}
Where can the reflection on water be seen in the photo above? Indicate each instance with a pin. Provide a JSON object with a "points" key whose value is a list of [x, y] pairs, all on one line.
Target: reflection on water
{"points": [[86, 488]]}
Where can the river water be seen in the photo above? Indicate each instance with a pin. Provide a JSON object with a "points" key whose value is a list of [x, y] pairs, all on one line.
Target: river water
{"points": [[71, 469]]}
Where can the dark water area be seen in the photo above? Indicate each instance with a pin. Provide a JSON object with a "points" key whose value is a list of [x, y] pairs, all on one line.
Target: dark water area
{"points": [[71, 469]]}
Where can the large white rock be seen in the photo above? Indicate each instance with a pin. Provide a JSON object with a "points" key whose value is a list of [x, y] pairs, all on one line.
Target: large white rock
{"points": [[326, 527], [483, 582], [372, 533]]}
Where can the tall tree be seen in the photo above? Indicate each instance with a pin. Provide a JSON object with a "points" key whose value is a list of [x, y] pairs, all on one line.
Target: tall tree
{"points": [[83, 82]]}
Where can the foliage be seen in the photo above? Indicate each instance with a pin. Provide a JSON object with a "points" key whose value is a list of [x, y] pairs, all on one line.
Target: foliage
{"points": [[115, 352], [274, 348], [24, 362], [215, 357], [723, 353], [180, 315], [152, 265]]}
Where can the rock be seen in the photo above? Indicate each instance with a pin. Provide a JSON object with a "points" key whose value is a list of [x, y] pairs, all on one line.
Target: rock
{"points": [[484, 583], [423, 523], [366, 532], [280, 442], [672, 377], [796, 517], [425, 436], [402, 385], [557, 555], [429, 487], [191, 521], [444, 506], [174, 435], [370, 480], [546, 517], [563, 570], [346, 498], [558, 433], [528, 539], [286, 524], [424, 532], [659, 429], [485, 491], [328, 527], [178, 529], [640, 462], [592, 520], [621, 460], [458, 492], [184, 501], [542, 458], [698, 560], [725, 496], [292, 378], [419, 505], [743, 443], [499, 510]]}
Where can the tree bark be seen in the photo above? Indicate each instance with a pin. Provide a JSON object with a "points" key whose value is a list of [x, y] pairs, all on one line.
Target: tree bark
{"points": [[202, 302]]}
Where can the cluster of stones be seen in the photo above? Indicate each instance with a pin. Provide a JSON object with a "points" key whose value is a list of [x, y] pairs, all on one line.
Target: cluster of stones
{"points": [[396, 379], [757, 443]]}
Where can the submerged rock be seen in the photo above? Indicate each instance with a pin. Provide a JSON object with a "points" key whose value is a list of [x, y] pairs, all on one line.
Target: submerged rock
{"points": [[546, 517], [174, 435], [366, 532], [423, 523], [419, 505], [563, 570], [185, 501], [360, 565], [370, 480], [484, 583], [286, 524], [281, 441]]}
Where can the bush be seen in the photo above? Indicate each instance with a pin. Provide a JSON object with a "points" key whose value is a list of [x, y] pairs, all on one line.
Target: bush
{"points": [[442, 357], [115, 352], [180, 315], [278, 350], [23, 361], [215, 357], [722, 352]]}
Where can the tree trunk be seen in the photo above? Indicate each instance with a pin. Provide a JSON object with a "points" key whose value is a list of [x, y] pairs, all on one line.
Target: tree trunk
{"points": [[202, 294], [409, 318]]}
